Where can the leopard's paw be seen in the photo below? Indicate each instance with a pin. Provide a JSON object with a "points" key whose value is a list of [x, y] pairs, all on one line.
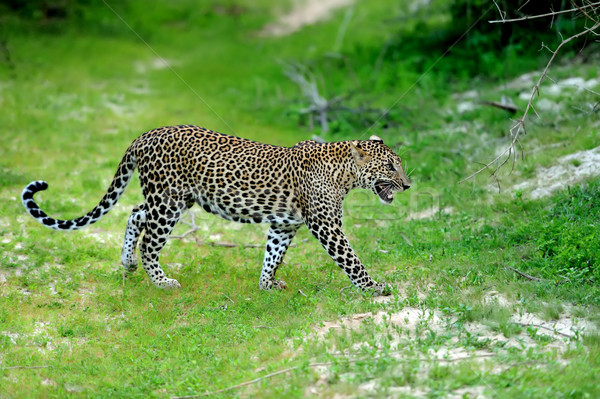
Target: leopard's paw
{"points": [[381, 289], [272, 285], [168, 284], [129, 262], [279, 285], [131, 266]]}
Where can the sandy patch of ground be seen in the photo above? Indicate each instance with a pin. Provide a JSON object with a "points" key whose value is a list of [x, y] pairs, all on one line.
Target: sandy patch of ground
{"points": [[495, 298], [156, 64], [569, 170], [429, 213], [566, 326], [551, 99], [20, 261], [40, 339], [304, 13], [394, 332], [408, 318]]}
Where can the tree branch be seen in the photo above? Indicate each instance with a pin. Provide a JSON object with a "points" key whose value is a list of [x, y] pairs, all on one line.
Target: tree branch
{"points": [[519, 127], [550, 14], [588, 16]]}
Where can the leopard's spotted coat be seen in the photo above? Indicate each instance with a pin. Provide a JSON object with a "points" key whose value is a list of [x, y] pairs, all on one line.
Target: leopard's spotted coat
{"points": [[242, 181]]}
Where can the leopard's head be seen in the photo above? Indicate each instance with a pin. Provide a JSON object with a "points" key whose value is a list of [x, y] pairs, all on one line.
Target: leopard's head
{"points": [[379, 169]]}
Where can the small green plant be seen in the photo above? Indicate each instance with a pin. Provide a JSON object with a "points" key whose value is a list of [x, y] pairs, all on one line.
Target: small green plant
{"points": [[552, 311], [564, 236], [591, 339]]}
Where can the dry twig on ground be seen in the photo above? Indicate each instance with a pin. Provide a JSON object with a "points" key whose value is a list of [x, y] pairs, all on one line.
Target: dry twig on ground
{"points": [[326, 110], [533, 278], [555, 331], [325, 364], [527, 276], [319, 105], [194, 227], [24, 367]]}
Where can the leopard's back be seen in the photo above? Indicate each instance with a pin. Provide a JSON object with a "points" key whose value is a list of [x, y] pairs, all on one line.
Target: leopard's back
{"points": [[238, 179]]}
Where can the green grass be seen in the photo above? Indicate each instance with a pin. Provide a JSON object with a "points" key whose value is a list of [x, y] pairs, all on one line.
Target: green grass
{"points": [[82, 90]]}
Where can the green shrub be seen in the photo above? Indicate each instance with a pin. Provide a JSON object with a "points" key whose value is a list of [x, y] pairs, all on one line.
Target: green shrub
{"points": [[468, 45], [566, 236]]}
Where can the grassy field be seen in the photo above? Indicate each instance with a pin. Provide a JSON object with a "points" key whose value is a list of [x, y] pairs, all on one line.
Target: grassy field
{"points": [[461, 321]]}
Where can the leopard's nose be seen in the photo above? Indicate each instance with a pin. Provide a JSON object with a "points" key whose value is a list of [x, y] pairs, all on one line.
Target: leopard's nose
{"points": [[405, 186]]}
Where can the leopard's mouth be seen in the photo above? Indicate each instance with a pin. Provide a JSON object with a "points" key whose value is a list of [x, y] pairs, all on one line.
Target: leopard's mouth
{"points": [[386, 191]]}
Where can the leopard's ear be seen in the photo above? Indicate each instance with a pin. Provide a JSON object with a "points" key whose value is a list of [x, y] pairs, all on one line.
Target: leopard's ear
{"points": [[376, 138], [359, 155]]}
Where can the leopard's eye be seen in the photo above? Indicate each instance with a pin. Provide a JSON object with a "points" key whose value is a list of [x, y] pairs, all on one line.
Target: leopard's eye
{"points": [[390, 166]]}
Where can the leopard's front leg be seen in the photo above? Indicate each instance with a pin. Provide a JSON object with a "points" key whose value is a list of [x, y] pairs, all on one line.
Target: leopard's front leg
{"points": [[327, 228]]}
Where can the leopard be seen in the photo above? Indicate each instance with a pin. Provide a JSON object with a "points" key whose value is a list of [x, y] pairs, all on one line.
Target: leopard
{"points": [[243, 181]]}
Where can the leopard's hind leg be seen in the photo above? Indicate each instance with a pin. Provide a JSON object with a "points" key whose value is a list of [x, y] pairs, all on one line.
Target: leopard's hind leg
{"points": [[135, 225], [278, 240], [160, 221]]}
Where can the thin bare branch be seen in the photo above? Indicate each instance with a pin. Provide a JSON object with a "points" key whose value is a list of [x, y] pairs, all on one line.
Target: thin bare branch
{"points": [[547, 328], [234, 245], [524, 4], [254, 381], [324, 364], [194, 227], [25, 367], [533, 278], [582, 9], [502, 14], [550, 14], [319, 105], [519, 127], [527, 276], [504, 154]]}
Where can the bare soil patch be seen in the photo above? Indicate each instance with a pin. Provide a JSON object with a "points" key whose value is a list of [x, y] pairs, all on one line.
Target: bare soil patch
{"points": [[304, 13], [570, 169], [394, 334]]}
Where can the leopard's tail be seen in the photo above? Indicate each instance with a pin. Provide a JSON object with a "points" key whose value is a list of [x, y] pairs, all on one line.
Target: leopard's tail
{"points": [[120, 181]]}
